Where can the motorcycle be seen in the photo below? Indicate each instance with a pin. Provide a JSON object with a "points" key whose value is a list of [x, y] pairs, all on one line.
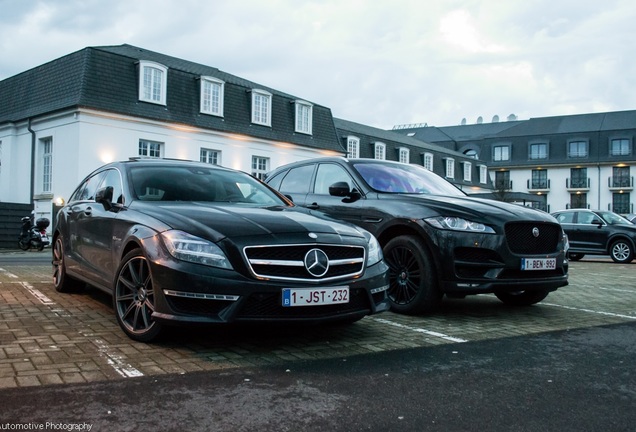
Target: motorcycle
{"points": [[33, 235]]}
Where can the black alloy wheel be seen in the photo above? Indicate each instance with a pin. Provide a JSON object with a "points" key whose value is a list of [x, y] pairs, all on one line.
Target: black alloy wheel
{"points": [[413, 285], [134, 298], [61, 280]]}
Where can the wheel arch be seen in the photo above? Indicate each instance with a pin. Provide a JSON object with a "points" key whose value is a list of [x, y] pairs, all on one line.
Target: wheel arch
{"points": [[399, 230], [616, 238]]}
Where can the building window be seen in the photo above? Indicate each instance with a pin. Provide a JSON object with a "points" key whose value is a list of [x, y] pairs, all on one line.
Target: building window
{"points": [[304, 114], [538, 151], [620, 147], [471, 153], [404, 155], [46, 146], [380, 151], [261, 107], [428, 161], [620, 177], [260, 167], [212, 94], [502, 180], [539, 179], [468, 171], [152, 82], [578, 200], [450, 168], [578, 178], [620, 203], [210, 156], [577, 149], [150, 149], [483, 174], [501, 153], [353, 147]]}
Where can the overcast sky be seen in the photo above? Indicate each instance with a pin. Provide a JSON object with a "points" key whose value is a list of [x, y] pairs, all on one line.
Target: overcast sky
{"points": [[376, 62]]}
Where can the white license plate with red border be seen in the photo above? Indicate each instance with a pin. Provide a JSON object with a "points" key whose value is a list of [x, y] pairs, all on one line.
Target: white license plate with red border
{"points": [[538, 263], [315, 296]]}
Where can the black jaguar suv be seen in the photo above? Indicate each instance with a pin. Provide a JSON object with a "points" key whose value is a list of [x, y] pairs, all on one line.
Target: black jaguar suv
{"points": [[436, 239], [192, 243]]}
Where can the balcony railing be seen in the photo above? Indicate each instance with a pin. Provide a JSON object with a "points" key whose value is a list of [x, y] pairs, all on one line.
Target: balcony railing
{"points": [[570, 206], [538, 185], [503, 185], [620, 183], [577, 184], [621, 208]]}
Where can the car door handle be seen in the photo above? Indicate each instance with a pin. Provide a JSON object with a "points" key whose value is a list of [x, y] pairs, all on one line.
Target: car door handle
{"points": [[313, 206]]}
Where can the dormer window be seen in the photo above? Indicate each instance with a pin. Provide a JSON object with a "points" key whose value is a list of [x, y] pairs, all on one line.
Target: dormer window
{"points": [[261, 107], [304, 114], [353, 147], [152, 82], [428, 161], [404, 155], [212, 93], [380, 151]]}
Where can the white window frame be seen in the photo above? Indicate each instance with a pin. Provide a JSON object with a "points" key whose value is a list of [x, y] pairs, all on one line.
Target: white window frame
{"points": [[212, 93], [353, 147], [498, 153], [150, 149], [379, 151], [260, 167], [210, 156], [304, 117], [468, 171], [261, 107], [450, 168], [153, 80], [483, 174], [404, 155], [428, 161], [46, 149]]}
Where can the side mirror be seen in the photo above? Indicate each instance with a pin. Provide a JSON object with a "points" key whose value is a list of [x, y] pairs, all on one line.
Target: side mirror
{"points": [[339, 189], [104, 196], [597, 222]]}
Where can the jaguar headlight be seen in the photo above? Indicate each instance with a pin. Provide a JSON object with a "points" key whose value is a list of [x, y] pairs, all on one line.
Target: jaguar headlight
{"points": [[459, 224], [187, 247], [375, 250]]}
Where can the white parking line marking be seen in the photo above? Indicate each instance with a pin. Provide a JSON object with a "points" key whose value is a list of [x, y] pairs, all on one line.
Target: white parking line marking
{"points": [[591, 311], [419, 330], [114, 360], [37, 294], [617, 290], [11, 275]]}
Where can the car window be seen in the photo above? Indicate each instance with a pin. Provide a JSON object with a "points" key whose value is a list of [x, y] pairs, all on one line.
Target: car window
{"points": [[403, 178], [327, 175], [86, 192], [614, 219], [565, 217], [172, 183], [113, 179], [587, 218], [297, 180]]}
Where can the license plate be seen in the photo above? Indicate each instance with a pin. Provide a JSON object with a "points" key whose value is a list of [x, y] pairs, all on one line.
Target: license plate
{"points": [[538, 263], [315, 296]]}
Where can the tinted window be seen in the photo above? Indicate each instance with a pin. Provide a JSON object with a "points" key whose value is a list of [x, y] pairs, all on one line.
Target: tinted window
{"points": [[86, 191], [402, 178], [297, 180], [329, 174], [565, 217], [113, 179], [588, 218]]}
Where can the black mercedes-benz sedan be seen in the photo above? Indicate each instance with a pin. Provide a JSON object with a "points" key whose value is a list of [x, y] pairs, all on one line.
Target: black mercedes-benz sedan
{"points": [[179, 242], [436, 239]]}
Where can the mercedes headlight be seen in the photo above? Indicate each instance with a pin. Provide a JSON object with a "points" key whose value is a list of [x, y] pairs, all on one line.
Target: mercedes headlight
{"points": [[375, 250], [459, 224], [187, 247]]}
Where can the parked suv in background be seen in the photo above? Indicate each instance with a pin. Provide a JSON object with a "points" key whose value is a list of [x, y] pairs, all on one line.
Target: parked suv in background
{"points": [[598, 232], [436, 239]]}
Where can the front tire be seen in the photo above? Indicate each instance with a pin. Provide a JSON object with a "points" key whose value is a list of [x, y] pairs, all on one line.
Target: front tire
{"points": [[134, 298], [621, 252], [575, 256], [61, 280], [522, 298], [413, 286]]}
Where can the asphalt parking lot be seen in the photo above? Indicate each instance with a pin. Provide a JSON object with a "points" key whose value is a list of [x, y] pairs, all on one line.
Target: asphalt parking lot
{"points": [[47, 338]]}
